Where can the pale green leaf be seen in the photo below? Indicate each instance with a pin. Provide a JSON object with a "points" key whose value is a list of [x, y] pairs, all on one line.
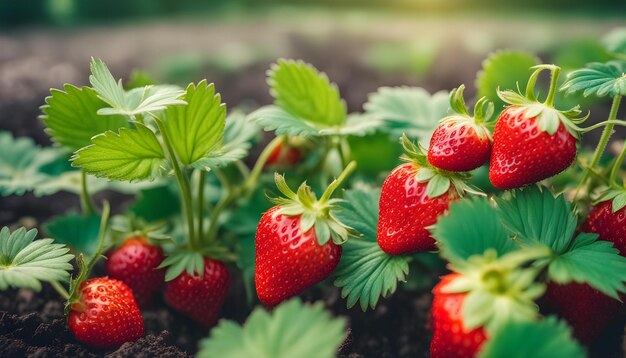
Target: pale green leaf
{"points": [[549, 338], [292, 329], [306, 93], [615, 41], [592, 261], [410, 110], [198, 128], [26, 262], [72, 119], [601, 79], [356, 125], [77, 231], [365, 272], [273, 118], [471, 227], [133, 154]]}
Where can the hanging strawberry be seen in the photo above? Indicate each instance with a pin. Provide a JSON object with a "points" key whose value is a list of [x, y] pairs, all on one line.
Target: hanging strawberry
{"points": [[532, 140], [413, 196], [461, 142]]}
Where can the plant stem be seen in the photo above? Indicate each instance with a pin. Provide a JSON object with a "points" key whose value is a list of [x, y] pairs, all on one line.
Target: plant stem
{"points": [[251, 181], [201, 204], [183, 184], [104, 223], [602, 124], [617, 166], [222, 204], [604, 140], [335, 184], [60, 290], [86, 203]]}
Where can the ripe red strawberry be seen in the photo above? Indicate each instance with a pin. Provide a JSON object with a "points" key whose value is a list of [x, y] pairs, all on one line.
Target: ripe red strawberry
{"points": [[450, 337], [586, 309], [284, 155], [532, 141], [200, 297], [287, 260], [461, 142], [609, 225], [297, 241], [105, 314], [406, 211], [135, 263]]}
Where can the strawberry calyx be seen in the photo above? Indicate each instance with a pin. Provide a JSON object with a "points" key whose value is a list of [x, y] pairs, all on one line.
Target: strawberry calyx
{"points": [[439, 180], [548, 117], [617, 196], [124, 228], [315, 213], [483, 110], [499, 289], [192, 260]]}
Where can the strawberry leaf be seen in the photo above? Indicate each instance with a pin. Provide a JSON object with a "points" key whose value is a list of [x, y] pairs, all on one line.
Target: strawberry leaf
{"points": [[198, 128], [273, 118], [292, 329], [24, 261], [410, 110], [459, 236], [365, 272], [133, 154], [134, 102], [22, 164], [503, 69], [536, 216], [72, 119], [615, 42], [155, 204], [592, 261], [77, 231], [304, 92], [600, 79], [544, 339]]}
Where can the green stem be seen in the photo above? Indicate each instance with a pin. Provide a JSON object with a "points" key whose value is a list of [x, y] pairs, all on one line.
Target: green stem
{"points": [[183, 184], [252, 180], [604, 140], [617, 166], [554, 76], [60, 290], [222, 204], [201, 204], [104, 224], [602, 124], [335, 184], [86, 203]]}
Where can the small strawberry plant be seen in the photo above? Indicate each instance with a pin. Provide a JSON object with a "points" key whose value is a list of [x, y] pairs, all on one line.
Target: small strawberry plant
{"points": [[500, 217]]}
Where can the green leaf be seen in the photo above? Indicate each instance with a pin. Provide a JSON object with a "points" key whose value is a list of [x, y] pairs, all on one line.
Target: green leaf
{"points": [[410, 110], [134, 102], [292, 329], [592, 261], [24, 262], [503, 70], [615, 41], [601, 79], [72, 119], [133, 154], [471, 227], [155, 204], [306, 93], [77, 231], [544, 339], [273, 118], [356, 125], [536, 216], [197, 129], [22, 163], [365, 272]]}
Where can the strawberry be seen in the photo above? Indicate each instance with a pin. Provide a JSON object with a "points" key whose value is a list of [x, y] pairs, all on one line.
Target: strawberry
{"points": [[135, 263], [532, 141], [297, 242], [586, 309], [284, 155], [105, 314], [200, 296], [461, 142], [413, 197], [450, 336], [610, 224]]}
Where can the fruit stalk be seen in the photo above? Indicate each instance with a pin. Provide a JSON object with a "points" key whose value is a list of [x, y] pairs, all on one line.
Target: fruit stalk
{"points": [[200, 199], [335, 184], [86, 203], [253, 178]]}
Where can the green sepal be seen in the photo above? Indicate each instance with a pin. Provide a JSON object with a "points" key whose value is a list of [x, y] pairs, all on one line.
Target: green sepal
{"points": [[24, 261], [617, 197], [547, 338], [483, 110], [192, 261], [547, 117], [314, 213]]}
